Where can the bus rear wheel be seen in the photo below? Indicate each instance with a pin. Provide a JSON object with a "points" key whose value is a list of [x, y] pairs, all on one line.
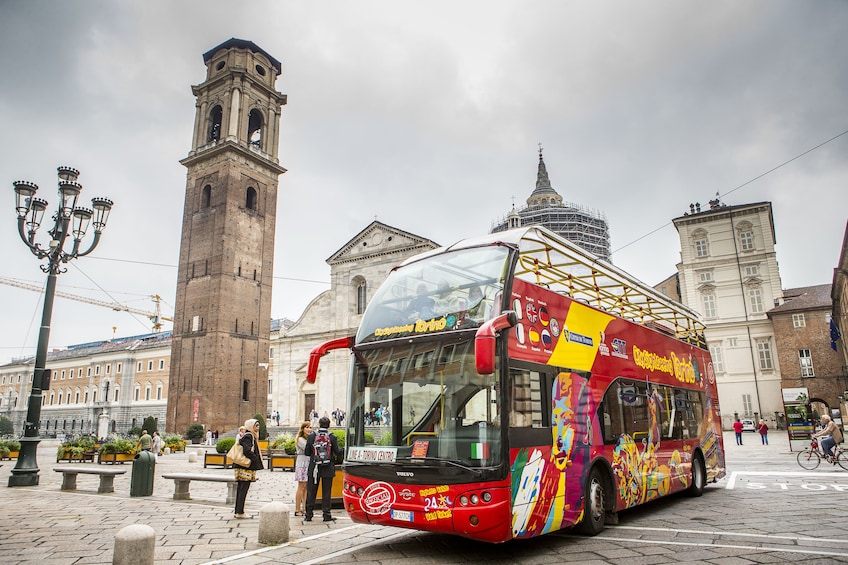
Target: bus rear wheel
{"points": [[699, 477], [594, 507]]}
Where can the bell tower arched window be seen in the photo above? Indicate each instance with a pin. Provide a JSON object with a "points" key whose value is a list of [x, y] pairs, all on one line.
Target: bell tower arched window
{"points": [[215, 118], [254, 128], [206, 197], [250, 199]]}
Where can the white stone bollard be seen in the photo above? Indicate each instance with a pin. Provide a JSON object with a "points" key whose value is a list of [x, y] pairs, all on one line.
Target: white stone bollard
{"points": [[134, 545], [274, 523], [167, 451], [192, 457]]}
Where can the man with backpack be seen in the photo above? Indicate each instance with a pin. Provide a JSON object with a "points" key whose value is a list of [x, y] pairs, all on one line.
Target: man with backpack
{"points": [[322, 448]]}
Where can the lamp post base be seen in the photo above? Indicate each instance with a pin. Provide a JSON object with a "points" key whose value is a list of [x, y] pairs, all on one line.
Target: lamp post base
{"points": [[25, 473]]}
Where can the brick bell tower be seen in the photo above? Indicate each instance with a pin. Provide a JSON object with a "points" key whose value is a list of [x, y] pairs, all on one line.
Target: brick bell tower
{"points": [[222, 317]]}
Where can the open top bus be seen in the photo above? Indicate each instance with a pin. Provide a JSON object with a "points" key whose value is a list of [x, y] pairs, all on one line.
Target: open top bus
{"points": [[531, 387]]}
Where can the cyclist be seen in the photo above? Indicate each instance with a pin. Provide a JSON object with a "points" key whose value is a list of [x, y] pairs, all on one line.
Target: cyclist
{"points": [[830, 435]]}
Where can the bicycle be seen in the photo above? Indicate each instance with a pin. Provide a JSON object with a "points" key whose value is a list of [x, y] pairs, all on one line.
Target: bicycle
{"points": [[811, 457]]}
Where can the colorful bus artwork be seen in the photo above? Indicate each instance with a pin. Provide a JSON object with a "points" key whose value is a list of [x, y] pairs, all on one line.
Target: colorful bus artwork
{"points": [[532, 387]]}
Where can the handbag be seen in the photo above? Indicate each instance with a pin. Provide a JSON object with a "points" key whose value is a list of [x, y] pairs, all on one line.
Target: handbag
{"points": [[237, 456]]}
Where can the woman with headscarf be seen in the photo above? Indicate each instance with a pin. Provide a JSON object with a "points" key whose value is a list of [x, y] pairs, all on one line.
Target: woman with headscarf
{"points": [[245, 475]]}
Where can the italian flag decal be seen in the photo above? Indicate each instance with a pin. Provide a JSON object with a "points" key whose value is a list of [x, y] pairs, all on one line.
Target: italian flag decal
{"points": [[479, 450]]}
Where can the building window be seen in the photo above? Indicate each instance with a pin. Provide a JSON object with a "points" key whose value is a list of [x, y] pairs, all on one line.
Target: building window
{"points": [[161, 364], [705, 276], [87, 372], [250, 199], [718, 358], [158, 391], [76, 397], [360, 297], [62, 377], [147, 392], [764, 354], [108, 368], [701, 248], [138, 367], [137, 392], [755, 297], [751, 270], [97, 369], [270, 386], [150, 365], [798, 321], [117, 390], [806, 360], [85, 399], [245, 389], [709, 301], [118, 368], [746, 240], [79, 373]]}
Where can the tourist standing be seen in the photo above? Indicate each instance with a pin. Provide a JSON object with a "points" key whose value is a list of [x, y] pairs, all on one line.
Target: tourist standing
{"points": [[737, 428], [301, 468], [245, 475], [762, 427], [322, 447]]}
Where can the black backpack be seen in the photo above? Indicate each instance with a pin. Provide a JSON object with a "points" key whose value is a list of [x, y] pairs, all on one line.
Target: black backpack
{"points": [[322, 449]]}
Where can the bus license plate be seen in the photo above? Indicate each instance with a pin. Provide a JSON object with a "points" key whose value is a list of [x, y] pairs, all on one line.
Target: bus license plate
{"points": [[402, 515]]}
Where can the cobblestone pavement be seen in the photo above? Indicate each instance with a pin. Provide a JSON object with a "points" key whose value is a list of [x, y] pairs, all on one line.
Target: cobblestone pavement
{"points": [[767, 511]]}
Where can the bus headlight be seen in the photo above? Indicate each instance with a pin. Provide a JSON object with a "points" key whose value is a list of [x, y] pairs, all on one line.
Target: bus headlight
{"points": [[463, 500], [475, 499], [487, 496]]}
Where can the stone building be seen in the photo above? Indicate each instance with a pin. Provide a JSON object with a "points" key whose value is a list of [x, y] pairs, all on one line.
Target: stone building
{"points": [[583, 227], [222, 314], [802, 338], [95, 388], [839, 328], [356, 271], [728, 273]]}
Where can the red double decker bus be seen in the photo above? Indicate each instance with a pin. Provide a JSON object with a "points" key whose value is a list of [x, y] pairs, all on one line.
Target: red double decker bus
{"points": [[530, 387]]}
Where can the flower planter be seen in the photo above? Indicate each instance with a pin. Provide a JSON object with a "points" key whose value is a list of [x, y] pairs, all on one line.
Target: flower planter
{"points": [[115, 458], [70, 457], [280, 460], [217, 460], [338, 488]]}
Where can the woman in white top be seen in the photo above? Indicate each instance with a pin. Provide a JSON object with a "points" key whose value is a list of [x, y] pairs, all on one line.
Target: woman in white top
{"points": [[301, 468]]}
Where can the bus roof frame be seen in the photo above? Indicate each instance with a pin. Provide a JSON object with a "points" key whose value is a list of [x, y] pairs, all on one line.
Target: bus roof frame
{"points": [[548, 260]]}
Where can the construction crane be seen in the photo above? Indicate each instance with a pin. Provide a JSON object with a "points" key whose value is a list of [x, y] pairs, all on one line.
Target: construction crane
{"points": [[155, 316]]}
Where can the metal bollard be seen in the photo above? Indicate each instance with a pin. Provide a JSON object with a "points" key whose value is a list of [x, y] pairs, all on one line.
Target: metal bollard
{"points": [[274, 523], [134, 545]]}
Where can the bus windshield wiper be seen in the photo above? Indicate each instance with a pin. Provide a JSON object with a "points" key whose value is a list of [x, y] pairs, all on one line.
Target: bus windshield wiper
{"points": [[449, 462]]}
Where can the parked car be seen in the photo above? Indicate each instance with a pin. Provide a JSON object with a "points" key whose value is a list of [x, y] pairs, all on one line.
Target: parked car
{"points": [[749, 426]]}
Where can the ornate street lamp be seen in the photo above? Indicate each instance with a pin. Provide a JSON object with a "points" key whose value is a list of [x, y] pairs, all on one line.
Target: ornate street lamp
{"points": [[71, 222]]}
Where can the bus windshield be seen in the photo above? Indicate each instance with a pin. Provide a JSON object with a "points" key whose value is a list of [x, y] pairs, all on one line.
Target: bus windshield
{"points": [[448, 291], [428, 404]]}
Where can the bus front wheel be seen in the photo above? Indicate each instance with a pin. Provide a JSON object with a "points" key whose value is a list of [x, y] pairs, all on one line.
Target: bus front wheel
{"points": [[594, 508], [699, 477]]}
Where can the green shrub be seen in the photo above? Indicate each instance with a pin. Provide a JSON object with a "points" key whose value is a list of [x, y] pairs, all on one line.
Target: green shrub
{"points": [[134, 431], [174, 442], [118, 445], [340, 435], [85, 442], [7, 428], [386, 439], [225, 444], [263, 430], [10, 444], [369, 437], [150, 425], [286, 442], [195, 431], [4, 451]]}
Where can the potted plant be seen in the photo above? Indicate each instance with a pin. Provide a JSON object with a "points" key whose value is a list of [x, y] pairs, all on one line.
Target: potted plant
{"points": [[195, 433], [117, 450], [281, 453], [77, 449], [174, 442], [219, 458], [338, 478], [10, 448]]}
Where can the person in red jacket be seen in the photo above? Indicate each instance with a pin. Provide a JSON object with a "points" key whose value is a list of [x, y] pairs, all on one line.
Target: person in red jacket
{"points": [[762, 427], [737, 427]]}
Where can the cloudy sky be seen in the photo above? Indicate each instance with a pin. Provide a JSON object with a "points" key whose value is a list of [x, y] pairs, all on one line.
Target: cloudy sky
{"points": [[426, 116]]}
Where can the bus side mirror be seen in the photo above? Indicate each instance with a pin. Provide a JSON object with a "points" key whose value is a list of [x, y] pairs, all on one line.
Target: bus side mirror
{"points": [[485, 342], [321, 350]]}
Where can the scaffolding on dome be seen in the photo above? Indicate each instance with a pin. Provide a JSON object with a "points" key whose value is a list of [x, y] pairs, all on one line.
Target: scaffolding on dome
{"points": [[584, 227]]}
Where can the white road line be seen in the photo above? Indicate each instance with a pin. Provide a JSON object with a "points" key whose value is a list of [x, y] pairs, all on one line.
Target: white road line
{"points": [[273, 547], [324, 558], [781, 549], [739, 534], [731, 481]]}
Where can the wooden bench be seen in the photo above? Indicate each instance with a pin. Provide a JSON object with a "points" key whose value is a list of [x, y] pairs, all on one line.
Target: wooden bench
{"points": [[107, 477], [183, 480]]}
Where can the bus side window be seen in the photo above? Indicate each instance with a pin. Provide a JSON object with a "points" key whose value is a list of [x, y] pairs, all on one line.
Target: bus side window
{"points": [[525, 398], [612, 416]]}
